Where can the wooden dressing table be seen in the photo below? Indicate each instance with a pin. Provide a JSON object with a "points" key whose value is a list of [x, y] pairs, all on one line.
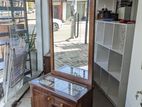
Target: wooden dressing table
{"points": [[66, 86], [53, 91]]}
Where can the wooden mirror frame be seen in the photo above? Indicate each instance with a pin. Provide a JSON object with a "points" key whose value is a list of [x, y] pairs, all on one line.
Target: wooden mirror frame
{"points": [[89, 81]]}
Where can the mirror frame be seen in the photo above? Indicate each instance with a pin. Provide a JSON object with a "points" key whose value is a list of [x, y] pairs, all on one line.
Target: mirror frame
{"points": [[89, 81]]}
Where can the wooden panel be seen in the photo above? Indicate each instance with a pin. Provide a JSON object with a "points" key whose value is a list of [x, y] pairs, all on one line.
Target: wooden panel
{"points": [[44, 96], [61, 103], [40, 99], [46, 64], [91, 45]]}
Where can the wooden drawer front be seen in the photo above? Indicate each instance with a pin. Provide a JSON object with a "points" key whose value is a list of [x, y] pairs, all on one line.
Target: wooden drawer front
{"points": [[40, 99], [61, 103]]}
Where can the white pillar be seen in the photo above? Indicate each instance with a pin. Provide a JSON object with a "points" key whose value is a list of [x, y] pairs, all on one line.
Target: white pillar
{"points": [[45, 26], [39, 44], [64, 11], [42, 29]]}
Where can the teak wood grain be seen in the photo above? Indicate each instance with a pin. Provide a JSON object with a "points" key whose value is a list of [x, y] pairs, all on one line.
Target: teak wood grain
{"points": [[91, 46], [45, 96]]}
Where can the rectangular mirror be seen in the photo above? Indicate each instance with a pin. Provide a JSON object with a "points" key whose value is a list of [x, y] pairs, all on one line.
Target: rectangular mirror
{"points": [[71, 37]]}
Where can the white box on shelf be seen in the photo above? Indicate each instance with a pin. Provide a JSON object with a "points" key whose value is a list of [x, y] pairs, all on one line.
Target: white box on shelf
{"points": [[102, 56]]}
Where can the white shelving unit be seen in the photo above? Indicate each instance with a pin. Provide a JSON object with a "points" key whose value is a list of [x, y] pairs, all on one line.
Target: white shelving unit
{"points": [[113, 46]]}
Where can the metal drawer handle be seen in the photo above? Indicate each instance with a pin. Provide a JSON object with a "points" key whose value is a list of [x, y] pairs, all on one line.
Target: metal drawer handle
{"points": [[61, 105], [48, 98]]}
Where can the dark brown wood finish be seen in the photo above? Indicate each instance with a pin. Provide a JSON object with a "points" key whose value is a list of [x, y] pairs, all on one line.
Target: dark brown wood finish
{"points": [[91, 41], [48, 97], [91, 46], [51, 34], [47, 63]]}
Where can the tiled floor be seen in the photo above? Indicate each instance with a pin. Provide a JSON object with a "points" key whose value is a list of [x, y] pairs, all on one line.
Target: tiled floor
{"points": [[26, 100], [99, 99], [72, 53]]}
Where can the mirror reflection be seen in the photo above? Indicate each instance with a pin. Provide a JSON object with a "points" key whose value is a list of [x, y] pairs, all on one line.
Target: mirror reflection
{"points": [[66, 87], [71, 33]]}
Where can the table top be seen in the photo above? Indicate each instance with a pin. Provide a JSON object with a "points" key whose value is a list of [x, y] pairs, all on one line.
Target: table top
{"points": [[65, 88]]}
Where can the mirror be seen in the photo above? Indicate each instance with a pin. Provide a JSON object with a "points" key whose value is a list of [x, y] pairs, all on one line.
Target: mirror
{"points": [[70, 37]]}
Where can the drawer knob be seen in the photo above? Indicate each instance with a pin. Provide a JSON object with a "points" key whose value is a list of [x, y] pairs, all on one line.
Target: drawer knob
{"points": [[61, 105], [48, 98]]}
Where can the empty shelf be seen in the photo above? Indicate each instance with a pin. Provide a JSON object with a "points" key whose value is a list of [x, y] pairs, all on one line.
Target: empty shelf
{"points": [[104, 80], [102, 56], [100, 32], [97, 73]]}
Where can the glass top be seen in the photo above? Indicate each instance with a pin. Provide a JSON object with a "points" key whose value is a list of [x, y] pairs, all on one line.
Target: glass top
{"points": [[63, 86]]}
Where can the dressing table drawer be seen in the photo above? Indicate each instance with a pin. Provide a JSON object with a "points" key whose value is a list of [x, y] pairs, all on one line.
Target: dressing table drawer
{"points": [[40, 99], [61, 103]]}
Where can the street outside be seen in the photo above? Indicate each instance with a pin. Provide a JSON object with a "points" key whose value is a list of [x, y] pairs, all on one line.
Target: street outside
{"points": [[72, 52]]}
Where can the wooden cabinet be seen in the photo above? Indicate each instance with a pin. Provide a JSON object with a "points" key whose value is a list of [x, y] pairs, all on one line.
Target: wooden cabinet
{"points": [[61, 103], [51, 91], [40, 99]]}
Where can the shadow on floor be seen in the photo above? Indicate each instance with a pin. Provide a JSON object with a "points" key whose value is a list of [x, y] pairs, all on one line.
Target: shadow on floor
{"points": [[100, 99]]}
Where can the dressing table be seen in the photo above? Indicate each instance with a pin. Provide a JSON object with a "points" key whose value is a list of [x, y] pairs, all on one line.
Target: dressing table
{"points": [[68, 85], [54, 91]]}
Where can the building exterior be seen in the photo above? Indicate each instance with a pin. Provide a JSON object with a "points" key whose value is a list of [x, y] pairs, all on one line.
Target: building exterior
{"points": [[62, 9]]}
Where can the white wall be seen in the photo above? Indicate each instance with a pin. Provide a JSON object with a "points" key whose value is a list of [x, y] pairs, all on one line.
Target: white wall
{"points": [[45, 26], [135, 77], [39, 34]]}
